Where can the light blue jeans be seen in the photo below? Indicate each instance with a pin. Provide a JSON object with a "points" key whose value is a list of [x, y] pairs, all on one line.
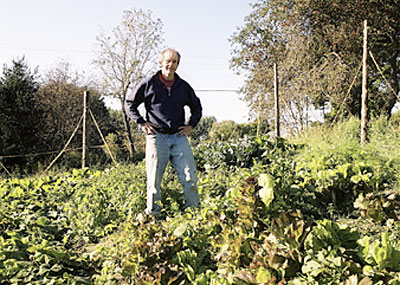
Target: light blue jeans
{"points": [[160, 149]]}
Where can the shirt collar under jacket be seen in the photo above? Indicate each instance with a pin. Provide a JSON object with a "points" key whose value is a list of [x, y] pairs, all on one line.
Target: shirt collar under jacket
{"points": [[158, 81]]}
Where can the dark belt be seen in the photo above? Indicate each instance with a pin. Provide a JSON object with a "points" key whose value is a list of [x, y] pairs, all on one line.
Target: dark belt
{"points": [[167, 131]]}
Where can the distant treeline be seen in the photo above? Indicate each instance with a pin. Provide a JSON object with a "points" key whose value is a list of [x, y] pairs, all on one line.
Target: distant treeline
{"points": [[38, 115]]}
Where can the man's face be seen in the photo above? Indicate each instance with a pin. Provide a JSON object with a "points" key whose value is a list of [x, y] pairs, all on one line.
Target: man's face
{"points": [[169, 64]]}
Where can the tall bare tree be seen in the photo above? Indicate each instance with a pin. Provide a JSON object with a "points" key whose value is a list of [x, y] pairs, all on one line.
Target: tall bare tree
{"points": [[127, 55]]}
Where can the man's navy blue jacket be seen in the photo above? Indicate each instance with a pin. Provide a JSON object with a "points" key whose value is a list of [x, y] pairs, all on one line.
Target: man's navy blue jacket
{"points": [[164, 108]]}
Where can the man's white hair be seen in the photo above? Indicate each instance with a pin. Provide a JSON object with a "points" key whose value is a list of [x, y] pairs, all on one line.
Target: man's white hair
{"points": [[170, 50]]}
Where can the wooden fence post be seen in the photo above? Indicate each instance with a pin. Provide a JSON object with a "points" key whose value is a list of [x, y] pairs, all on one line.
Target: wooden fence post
{"points": [[364, 95], [276, 97], [84, 125]]}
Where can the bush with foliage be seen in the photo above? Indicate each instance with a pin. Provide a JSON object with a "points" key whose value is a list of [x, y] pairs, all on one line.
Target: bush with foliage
{"points": [[20, 115]]}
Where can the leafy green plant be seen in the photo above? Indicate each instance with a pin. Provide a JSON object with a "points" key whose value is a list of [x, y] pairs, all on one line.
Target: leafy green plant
{"points": [[338, 182], [380, 253], [262, 220], [379, 206], [330, 254], [35, 239]]}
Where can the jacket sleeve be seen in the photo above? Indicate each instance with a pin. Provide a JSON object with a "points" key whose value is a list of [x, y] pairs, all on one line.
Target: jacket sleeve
{"points": [[133, 101], [195, 109]]}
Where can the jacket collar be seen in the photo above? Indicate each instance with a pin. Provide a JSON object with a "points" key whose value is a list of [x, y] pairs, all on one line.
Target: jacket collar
{"points": [[157, 79]]}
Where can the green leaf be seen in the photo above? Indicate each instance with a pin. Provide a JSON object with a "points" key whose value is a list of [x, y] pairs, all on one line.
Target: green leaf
{"points": [[353, 280], [18, 192], [266, 180], [180, 230], [382, 252], [312, 267], [365, 281], [368, 270], [267, 192], [42, 221], [263, 275]]}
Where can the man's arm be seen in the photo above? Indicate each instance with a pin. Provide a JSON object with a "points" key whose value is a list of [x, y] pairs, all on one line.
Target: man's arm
{"points": [[195, 109], [132, 102]]}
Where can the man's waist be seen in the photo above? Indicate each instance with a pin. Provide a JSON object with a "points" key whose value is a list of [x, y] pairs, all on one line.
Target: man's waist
{"points": [[168, 131]]}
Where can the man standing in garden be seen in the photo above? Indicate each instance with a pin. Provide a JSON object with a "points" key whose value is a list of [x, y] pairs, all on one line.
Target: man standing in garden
{"points": [[164, 96]]}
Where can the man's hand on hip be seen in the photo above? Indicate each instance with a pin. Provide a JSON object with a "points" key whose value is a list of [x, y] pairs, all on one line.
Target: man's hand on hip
{"points": [[185, 130], [149, 128]]}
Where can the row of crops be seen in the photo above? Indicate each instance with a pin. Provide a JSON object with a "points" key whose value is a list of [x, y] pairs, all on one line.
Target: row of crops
{"points": [[272, 212]]}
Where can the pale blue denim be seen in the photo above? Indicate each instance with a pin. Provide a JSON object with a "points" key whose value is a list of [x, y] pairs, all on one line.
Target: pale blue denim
{"points": [[160, 149]]}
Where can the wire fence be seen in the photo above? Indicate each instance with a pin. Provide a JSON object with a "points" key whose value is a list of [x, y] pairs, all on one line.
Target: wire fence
{"points": [[65, 148], [105, 145]]}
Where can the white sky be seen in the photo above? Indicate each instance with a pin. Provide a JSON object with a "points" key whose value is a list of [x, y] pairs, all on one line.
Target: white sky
{"points": [[49, 31]]}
